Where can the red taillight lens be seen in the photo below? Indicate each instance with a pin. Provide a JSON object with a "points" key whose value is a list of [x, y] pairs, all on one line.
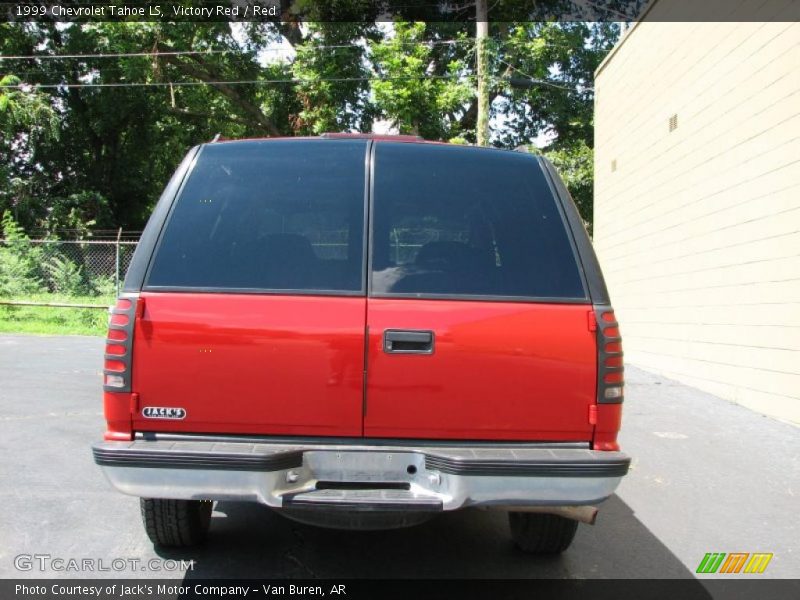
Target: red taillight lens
{"points": [[117, 367], [116, 349], [610, 369], [119, 319], [117, 335]]}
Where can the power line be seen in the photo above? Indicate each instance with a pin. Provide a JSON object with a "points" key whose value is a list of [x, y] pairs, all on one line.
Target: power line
{"points": [[44, 71], [41, 70], [601, 8], [542, 81], [156, 54], [26, 86], [116, 55], [293, 80], [289, 48]]}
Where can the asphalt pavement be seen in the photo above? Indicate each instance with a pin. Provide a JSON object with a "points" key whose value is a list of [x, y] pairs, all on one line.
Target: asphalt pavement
{"points": [[707, 476]]}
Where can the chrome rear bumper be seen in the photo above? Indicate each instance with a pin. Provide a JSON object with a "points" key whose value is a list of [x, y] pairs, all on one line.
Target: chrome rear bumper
{"points": [[360, 476]]}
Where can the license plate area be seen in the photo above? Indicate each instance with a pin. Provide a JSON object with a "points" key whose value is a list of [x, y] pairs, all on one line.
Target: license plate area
{"points": [[363, 467]]}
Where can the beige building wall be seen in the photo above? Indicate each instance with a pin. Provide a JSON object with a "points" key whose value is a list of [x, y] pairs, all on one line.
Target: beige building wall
{"points": [[697, 220]]}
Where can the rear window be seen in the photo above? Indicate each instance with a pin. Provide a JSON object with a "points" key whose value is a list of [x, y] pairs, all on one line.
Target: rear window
{"points": [[278, 215], [456, 221]]}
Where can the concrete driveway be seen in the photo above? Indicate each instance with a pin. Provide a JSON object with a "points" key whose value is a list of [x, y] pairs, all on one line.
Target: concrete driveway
{"points": [[707, 476]]}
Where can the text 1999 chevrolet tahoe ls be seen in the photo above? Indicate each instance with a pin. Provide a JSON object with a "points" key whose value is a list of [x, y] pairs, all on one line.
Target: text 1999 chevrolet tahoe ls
{"points": [[364, 331]]}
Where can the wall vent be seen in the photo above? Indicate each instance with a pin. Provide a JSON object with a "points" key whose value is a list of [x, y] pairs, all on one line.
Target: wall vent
{"points": [[673, 123]]}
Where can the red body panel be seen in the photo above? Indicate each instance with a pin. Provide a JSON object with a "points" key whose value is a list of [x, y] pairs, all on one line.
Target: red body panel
{"points": [[246, 363], [609, 420], [499, 371], [117, 411]]}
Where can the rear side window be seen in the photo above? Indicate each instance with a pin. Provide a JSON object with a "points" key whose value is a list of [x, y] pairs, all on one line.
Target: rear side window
{"points": [[278, 215], [463, 221]]}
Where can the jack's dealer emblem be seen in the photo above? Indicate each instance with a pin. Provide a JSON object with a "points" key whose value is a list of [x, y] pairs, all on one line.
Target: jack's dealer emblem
{"points": [[163, 412]]}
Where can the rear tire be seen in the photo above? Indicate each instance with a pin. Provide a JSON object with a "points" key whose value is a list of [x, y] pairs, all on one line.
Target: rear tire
{"points": [[176, 523], [541, 533]]}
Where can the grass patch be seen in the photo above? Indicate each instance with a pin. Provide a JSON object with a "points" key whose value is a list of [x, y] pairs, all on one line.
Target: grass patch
{"points": [[56, 320]]}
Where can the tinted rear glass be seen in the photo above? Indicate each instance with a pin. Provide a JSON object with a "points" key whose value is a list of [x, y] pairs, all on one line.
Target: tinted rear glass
{"points": [[277, 215], [466, 221]]}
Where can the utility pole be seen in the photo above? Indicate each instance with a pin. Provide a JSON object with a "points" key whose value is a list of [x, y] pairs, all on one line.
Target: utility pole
{"points": [[481, 38]]}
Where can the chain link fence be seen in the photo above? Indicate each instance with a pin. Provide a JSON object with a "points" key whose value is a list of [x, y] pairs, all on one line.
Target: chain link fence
{"points": [[85, 273]]}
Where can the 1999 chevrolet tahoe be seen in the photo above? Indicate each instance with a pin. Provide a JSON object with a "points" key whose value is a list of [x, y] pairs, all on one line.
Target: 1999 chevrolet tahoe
{"points": [[363, 332]]}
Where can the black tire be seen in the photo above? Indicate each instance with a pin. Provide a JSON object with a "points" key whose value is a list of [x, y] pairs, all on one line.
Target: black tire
{"points": [[541, 533], [176, 523]]}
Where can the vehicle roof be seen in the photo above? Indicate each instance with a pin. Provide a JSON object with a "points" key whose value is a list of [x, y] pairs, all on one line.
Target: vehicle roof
{"points": [[378, 137], [337, 136]]}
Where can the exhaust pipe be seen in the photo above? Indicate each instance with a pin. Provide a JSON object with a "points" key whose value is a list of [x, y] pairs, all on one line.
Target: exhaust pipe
{"points": [[584, 514]]}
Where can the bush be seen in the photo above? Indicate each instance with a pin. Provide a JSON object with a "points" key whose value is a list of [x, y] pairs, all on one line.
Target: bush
{"points": [[65, 277], [20, 263], [104, 286]]}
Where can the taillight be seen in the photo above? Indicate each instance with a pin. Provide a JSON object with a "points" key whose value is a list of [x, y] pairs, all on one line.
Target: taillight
{"points": [[610, 369], [119, 345]]}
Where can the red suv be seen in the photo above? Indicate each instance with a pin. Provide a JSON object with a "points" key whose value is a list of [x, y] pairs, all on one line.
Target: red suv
{"points": [[364, 332]]}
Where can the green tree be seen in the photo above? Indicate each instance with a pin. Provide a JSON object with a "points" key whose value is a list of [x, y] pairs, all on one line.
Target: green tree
{"points": [[118, 145], [575, 164], [332, 72], [421, 90], [545, 78], [27, 121]]}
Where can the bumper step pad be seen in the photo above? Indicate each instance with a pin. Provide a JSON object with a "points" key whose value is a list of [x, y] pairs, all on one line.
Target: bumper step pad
{"points": [[377, 500]]}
